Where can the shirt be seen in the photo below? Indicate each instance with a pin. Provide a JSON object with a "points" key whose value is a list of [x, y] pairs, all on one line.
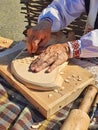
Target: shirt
{"points": [[62, 13]]}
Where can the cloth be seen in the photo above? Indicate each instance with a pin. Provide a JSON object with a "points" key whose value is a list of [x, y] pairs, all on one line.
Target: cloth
{"points": [[16, 113], [93, 10], [62, 13]]}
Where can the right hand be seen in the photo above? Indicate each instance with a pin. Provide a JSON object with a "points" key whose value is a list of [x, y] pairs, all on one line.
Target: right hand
{"points": [[38, 36], [53, 56]]}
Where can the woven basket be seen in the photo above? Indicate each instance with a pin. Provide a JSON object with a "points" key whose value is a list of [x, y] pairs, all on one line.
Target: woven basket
{"points": [[32, 9]]}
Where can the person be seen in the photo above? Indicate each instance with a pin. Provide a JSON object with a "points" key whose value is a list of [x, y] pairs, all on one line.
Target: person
{"points": [[55, 17]]}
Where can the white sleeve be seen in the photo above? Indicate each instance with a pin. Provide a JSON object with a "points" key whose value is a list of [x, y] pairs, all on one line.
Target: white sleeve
{"points": [[62, 12], [89, 44]]}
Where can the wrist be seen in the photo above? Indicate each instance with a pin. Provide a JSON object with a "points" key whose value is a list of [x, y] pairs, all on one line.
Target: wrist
{"points": [[67, 49], [75, 48], [46, 21]]}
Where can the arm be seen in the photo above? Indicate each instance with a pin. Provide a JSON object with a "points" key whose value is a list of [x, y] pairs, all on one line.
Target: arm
{"points": [[55, 17], [86, 47], [57, 54], [89, 44], [62, 13]]}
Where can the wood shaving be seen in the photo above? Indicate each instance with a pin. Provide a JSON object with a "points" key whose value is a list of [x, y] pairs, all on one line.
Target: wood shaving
{"points": [[66, 80], [74, 79], [56, 90], [69, 77], [73, 75], [62, 88], [49, 95], [79, 79], [61, 73], [36, 125]]}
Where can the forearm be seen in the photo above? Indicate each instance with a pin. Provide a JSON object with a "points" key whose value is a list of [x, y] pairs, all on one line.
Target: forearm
{"points": [[89, 44], [86, 47], [62, 13], [45, 23]]}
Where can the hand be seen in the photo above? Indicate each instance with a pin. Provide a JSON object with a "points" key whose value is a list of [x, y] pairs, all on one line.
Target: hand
{"points": [[51, 57], [38, 36]]}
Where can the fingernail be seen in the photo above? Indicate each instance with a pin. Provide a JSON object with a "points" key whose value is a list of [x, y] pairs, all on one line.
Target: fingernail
{"points": [[47, 71], [37, 69], [31, 69]]}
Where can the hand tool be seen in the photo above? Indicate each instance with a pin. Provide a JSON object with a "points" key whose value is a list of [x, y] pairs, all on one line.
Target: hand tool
{"points": [[10, 53], [78, 119], [94, 107]]}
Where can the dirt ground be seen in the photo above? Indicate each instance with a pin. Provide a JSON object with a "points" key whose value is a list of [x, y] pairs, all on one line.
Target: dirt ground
{"points": [[12, 20]]}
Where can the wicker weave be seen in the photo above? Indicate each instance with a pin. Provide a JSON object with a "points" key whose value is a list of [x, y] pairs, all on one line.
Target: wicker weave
{"points": [[32, 9]]}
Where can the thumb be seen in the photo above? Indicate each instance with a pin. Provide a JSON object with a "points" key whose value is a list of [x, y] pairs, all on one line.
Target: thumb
{"points": [[35, 44]]}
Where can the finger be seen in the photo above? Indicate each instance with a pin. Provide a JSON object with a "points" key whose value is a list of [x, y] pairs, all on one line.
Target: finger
{"points": [[35, 43], [39, 68], [45, 64], [29, 32], [29, 44], [40, 50], [39, 65], [43, 42], [32, 41], [34, 62], [29, 39], [39, 61], [53, 66]]}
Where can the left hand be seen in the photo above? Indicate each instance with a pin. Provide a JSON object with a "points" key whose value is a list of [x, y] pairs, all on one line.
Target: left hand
{"points": [[38, 36], [51, 57]]}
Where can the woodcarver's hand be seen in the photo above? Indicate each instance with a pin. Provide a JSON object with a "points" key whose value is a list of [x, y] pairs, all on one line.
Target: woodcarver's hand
{"points": [[51, 57], [38, 36]]}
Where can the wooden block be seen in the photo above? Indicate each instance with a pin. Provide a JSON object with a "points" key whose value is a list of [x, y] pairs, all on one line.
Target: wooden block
{"points": [[41, 80], [5, 42], [49, 102]]}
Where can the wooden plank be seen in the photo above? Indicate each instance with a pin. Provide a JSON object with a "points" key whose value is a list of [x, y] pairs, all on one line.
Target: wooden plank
{"points": [[5, 42], [41, 80], [59, 98]]}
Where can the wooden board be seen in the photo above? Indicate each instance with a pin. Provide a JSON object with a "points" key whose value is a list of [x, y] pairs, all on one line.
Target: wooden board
{"points": [[49, 102], [20, 66], [76, 79], [5, 42], [43, 81]]}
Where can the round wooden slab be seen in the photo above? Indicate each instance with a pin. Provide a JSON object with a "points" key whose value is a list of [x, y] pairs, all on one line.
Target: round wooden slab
{"points": [[40, 80]]}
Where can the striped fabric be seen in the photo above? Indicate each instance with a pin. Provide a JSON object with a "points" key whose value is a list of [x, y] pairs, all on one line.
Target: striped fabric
{"points": [[16, 113]]}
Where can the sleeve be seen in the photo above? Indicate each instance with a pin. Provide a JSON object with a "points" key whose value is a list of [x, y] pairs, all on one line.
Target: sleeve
{"points": [[86, 47], [89, 44], [62, 13]]}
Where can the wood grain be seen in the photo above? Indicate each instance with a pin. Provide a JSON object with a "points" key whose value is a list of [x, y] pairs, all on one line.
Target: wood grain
{"points": [[66, 94]]}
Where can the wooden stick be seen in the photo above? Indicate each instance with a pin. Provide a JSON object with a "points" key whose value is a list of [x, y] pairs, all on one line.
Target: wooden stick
{"points": [[5, 42], [78, 119], [88, 99]]}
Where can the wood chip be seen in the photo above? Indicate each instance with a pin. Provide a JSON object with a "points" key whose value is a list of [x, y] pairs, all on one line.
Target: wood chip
{"points": [[61, 73], [79, 79], [73, 75], [49, 95], [36, 125], [66, 80], [68, 77], [62, 88], [56, 90]]}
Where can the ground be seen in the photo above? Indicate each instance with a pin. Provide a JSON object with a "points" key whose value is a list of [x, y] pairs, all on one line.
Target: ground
{"points": [[12, 20]]}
